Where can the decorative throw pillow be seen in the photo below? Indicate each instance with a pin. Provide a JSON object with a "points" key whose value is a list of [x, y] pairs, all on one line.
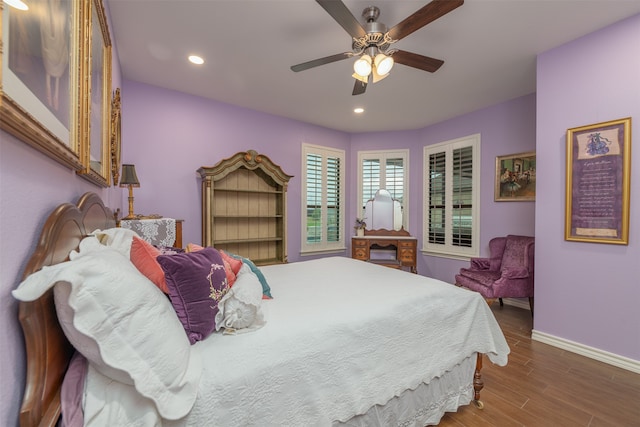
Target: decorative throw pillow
{"points": [[122, 324], [231, 274], [144, 256], [239, 310], [116, 238], [266, 289], [235, 264], [231, 277], [72, 391], [192, 247], [197, 282]]}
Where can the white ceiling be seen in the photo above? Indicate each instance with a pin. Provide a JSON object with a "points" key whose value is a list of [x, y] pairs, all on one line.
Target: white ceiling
{"points": [[489, 48]]}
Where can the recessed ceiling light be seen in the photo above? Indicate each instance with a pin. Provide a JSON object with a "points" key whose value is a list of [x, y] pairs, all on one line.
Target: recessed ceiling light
{"points": [[358, 110], [196, 59]]}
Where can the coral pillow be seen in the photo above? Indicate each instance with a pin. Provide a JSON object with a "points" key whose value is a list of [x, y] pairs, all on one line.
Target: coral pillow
{"points": [[231, 277], [235, 263], [144, 257], [192, 247], [197, 282]]}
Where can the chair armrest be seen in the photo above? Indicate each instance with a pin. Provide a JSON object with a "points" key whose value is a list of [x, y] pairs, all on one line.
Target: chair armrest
{"points": [[515, 273], [487, 264]]}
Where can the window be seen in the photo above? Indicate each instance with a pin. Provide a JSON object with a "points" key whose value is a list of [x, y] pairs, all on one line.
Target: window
{"points": [[323, 195], [384, 169], [451, 197]]}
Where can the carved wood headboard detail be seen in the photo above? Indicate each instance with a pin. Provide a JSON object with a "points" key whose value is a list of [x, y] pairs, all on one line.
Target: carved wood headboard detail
{"points": [[47, 350]]}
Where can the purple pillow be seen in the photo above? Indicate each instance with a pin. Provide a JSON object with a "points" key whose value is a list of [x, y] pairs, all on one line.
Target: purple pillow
{"points": [[72, 391], [197, 281]]}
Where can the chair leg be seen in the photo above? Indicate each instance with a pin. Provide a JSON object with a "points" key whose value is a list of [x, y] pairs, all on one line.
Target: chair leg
{"points": [[531, 305], [501, 302]]}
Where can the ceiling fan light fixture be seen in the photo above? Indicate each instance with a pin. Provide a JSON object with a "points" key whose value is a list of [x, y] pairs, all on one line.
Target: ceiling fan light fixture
{"points": [[375, 77], [363, 79], [362, 66], [383, 64]]}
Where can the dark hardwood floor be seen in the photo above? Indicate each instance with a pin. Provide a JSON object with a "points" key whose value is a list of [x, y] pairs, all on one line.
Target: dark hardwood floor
{"points": [[547, 386]]}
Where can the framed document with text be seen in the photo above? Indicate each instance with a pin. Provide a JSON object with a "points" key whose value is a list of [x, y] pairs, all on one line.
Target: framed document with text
{"points": [[598, 178]]}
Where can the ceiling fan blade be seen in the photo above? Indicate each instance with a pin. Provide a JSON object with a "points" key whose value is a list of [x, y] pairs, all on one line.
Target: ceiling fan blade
{"points": [[423, 16], [359, 87], [321, 61], [342, 15], [417, 61]]}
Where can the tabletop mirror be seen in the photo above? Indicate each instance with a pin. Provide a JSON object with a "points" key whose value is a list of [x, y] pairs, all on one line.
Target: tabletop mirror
{"points": [[383, 212]]}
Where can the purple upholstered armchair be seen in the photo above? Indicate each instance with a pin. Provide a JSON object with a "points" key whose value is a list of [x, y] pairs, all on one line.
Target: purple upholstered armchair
{"points": [[508, 273]]}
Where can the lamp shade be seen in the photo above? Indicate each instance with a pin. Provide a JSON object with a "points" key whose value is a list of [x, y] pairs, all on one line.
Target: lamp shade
{"points": [[129, 177], [362, 66], [383, 64]]}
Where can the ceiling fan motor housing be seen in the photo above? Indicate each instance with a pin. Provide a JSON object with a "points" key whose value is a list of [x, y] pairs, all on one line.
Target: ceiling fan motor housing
{"points": [[376, 36]]}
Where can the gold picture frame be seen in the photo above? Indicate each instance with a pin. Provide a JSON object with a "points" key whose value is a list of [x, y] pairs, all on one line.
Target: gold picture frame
{"points": [[95, 150], [40, 80], [598, 176], [116, 137], [515, 177]]}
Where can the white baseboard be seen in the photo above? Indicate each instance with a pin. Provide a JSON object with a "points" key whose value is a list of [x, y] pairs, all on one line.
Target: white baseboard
{"points": [[516, 302], [590, 352]]}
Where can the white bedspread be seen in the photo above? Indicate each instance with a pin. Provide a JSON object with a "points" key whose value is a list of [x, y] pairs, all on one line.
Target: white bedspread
{"points": [[340, 336]]}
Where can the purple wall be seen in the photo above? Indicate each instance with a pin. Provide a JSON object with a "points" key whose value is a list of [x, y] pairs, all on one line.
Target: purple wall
{"points": [[168, 135], [587, 292], [31, 186], [506, 128]]}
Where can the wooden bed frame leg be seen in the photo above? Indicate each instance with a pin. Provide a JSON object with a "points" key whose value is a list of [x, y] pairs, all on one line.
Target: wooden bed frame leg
{"points": [[478, 384]]}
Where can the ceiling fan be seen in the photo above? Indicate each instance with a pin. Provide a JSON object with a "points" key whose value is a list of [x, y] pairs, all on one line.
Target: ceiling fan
{"points": [[373, 42]]}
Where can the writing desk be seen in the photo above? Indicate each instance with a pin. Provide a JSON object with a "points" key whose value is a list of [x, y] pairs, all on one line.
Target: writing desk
{"points": [[406, 249]]}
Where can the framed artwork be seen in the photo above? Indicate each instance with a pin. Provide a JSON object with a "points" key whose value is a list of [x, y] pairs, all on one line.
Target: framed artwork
{"points": [[597, 182], [515, 178], [41, 78], [96, 147], [116, 136]]}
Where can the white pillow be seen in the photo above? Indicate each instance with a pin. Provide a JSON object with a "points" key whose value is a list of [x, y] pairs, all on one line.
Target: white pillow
{"points": [[239, 310], [123, 324], [117, 238]]}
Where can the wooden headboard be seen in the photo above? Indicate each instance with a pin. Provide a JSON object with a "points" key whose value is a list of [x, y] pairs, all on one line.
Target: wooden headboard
{"points": [[47, 349]]}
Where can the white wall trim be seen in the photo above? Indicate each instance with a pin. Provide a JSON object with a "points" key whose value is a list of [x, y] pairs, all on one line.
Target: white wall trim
{"points": [[590, 352], [517, 302]]}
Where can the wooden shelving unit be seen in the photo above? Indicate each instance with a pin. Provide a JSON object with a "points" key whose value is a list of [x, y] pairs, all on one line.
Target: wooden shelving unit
{"points": [[244, 207]]}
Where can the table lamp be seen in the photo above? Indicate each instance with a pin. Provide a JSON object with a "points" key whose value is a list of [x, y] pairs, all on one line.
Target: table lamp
{"points": [[129, 179]]}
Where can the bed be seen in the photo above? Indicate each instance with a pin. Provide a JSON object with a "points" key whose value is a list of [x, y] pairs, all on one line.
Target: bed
{"points": [[342, 342]]}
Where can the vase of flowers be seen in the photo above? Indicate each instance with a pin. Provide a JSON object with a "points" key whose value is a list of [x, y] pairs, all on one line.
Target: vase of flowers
{"points": [[360, 226]]}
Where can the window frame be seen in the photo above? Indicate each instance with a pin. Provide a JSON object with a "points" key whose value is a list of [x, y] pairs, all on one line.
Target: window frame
{"points": [[323, 246], [383, 156], [448, 249]]}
